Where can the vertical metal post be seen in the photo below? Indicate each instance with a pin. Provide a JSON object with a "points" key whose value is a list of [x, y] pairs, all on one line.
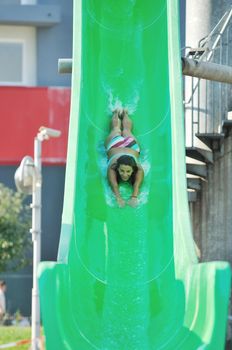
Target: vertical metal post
{"points": [[220, 108], [206, 106], [227, 63], [192, 116], [36, 238], [199, 129]]}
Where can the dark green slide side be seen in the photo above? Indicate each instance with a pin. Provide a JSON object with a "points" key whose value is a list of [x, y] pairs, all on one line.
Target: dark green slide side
{"points": [[128, 278]]}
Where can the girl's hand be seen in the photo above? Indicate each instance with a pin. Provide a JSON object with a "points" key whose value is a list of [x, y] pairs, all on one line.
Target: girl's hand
{"points": [[133, 202], [121, 202]]}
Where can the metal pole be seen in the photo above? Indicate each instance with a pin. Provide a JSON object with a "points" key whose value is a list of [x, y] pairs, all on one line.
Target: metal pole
{"points": [[207, 70], [64, 65], [36, 238]]}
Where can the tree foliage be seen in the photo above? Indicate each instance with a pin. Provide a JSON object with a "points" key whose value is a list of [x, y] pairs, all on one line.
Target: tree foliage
{"points": [[15, 240]]}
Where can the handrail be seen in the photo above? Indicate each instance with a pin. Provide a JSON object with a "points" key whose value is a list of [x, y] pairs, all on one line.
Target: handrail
{"points": [[220, 35], [205, 115], [211, 51], [209, 36]]}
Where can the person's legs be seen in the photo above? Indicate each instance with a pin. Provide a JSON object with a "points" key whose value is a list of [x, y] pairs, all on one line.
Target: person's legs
{"points": [[127, 125], [115, 127]]}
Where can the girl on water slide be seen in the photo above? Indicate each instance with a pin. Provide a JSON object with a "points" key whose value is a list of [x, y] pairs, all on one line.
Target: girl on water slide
{"points": [[123, 152]]}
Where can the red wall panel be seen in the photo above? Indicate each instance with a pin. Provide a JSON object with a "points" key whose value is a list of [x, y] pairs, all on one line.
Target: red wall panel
{"points": [[22, 111]]}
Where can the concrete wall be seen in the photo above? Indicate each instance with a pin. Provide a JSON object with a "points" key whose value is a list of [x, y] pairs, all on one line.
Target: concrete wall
{"points": [[182, 5], [211, 214], [54, 43]]}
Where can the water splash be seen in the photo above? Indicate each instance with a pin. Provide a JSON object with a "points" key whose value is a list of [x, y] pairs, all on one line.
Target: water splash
{"points": [[114, 102]]}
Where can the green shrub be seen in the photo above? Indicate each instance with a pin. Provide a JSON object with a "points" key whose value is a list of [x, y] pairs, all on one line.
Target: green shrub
{"points": [[15, 221]]}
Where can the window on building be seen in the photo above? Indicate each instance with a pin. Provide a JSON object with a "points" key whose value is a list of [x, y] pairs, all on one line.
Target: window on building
{"points": [[11, 62], [17, 55]]}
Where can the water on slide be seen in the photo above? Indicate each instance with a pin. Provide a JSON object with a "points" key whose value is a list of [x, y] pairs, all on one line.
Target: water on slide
{"points": [[128, 278]]}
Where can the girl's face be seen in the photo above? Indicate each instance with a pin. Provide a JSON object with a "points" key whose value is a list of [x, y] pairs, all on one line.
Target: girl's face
{"points": [[125, 172]]}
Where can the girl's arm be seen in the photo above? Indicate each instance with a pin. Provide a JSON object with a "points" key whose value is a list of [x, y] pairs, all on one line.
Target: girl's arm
{"points": [[138, 181], [112, 178]]}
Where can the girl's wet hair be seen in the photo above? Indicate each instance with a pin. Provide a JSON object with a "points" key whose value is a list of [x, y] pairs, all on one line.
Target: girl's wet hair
{"points": [[126, 160]]}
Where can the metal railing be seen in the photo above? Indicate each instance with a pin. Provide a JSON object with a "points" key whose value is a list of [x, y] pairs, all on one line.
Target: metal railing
{"points": [[207, 103]]}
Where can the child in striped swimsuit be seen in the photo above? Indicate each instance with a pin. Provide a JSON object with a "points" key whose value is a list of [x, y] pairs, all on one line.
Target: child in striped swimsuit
{"points": [[123, 153]]}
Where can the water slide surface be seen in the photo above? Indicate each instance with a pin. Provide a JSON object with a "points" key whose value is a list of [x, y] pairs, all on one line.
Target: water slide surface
{"points": [[128, 278]]}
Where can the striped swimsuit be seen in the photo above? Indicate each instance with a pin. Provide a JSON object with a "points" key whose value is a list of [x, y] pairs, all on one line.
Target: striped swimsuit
{"points": [[123, 142]]}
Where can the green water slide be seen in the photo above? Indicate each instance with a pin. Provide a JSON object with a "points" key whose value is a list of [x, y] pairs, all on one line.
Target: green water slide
{"points": [[128, 278]]}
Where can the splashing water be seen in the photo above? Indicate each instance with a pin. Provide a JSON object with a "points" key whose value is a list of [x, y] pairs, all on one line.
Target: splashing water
{"points": [[114, 102]]}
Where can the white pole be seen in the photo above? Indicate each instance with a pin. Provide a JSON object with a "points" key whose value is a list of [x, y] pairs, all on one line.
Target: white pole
{"points": [[33, 186], [44, 134], [36, 238]]}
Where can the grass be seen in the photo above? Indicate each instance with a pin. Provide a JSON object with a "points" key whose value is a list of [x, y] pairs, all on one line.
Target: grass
{"points": [[10, 334]]}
